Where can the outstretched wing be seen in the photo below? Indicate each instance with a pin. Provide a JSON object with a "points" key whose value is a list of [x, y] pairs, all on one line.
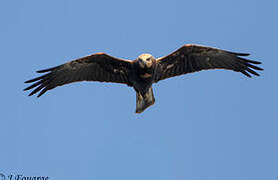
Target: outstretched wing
{"points": [[192, 58], [97, 67]]}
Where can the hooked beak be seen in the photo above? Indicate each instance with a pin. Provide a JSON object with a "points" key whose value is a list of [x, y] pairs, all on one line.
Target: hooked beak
{"points": [[141, 63]]}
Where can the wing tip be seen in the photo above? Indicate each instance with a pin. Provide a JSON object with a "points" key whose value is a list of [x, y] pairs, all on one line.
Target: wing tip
{"points": [[238, 53], [247, 72], [243, 54], [47, 70], [28, 81], [34, 92], [31, 94], [252, 61]]}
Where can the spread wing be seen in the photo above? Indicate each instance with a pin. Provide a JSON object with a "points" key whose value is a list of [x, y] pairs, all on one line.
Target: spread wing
{"points": [[97, 67], [192, 58]]}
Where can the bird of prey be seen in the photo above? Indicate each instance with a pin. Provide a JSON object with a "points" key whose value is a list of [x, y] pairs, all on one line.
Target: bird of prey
{"points": [[142, 72]]}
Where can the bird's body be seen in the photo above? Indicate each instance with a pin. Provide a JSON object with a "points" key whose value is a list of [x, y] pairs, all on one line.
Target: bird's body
{"points": [[144, 69], [142, 72]]}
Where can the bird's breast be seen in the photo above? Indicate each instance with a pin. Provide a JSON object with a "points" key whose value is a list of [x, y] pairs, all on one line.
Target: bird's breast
{"points": [[146, 75]]}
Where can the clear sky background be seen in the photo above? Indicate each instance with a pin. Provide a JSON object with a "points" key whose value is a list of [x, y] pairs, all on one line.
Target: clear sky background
{"points": [[208, 125]]}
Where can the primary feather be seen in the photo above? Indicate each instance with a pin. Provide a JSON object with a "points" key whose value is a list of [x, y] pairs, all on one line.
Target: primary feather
{"points": [[144, 71], [97, 67], [193, 58]]}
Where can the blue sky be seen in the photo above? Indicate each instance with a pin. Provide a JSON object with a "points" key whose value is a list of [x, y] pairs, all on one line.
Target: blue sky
{"points": [[207, 125]]}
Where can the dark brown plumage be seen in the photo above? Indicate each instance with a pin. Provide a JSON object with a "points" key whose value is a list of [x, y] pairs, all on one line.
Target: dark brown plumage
{"points": [[192, 58], [97, 67], [143, 72]]}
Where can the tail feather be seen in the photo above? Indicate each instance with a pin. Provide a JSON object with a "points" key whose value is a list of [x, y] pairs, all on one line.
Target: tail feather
{"points": [[144, 101]]}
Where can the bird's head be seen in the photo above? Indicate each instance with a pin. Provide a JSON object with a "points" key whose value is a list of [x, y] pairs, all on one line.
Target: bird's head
{"points": [[145, 60]]}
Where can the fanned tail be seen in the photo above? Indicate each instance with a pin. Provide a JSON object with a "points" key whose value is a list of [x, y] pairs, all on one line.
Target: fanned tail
{"points": [[144, 101]]}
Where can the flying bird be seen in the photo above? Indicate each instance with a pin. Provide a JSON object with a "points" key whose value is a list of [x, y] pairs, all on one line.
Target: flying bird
{"points": [[142, 72]]}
